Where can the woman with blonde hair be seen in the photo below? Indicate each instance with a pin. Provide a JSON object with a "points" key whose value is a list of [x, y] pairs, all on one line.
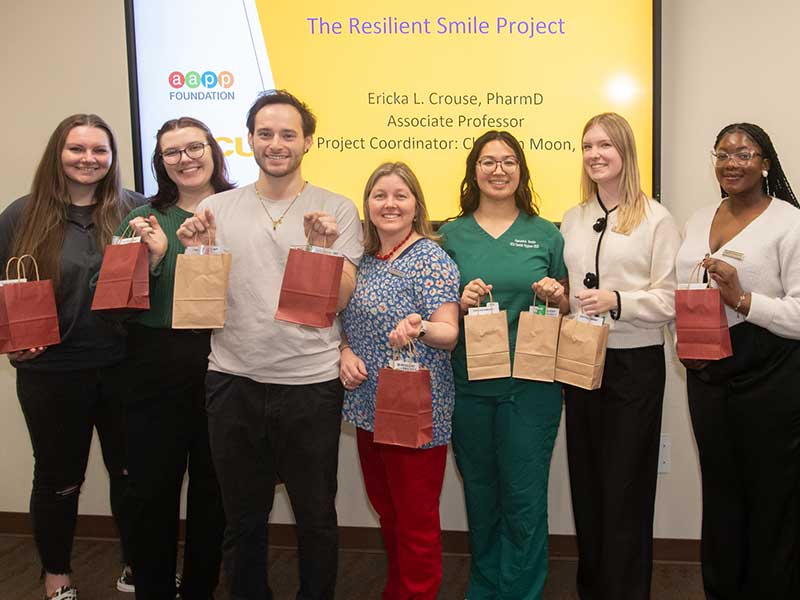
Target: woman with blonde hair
{"points": [[65, 391], [620, 249], [406, 290]]}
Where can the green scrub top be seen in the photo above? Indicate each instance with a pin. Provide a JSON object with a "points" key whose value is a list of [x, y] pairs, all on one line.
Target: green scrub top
{"points": [[531, 248]]}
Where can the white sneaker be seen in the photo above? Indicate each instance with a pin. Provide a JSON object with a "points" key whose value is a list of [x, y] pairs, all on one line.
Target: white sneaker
{"points": [[125, 581], [65, 592]]}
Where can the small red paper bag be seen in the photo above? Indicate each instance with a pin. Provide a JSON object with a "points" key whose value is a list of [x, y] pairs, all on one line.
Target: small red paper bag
{"points": [[403, 407], [701, 325], [310, 288], [124, 281], [28, 316]]}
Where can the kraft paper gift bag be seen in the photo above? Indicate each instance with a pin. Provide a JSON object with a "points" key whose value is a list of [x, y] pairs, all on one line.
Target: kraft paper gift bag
{"points": [[201, 288], [310, 287], [124, 281], [404, 405], [486, 337], [581, 356], [700, 323], [537, 343], [28, 316]]}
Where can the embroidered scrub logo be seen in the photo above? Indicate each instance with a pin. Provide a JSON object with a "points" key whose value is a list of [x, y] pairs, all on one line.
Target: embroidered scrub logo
{"points": [[524, 244], [208, 85]]}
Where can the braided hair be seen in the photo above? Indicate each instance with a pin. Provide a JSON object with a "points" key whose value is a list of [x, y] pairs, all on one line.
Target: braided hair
{"points": [[775, 183]]}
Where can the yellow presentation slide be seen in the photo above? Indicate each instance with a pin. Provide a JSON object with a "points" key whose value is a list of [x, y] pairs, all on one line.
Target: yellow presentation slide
{"points": [[418, 81]]}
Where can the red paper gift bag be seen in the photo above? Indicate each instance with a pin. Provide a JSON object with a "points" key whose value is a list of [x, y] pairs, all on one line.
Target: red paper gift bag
{"points": [[310, 288], [124, 281], [701, 325], [403, 408], [28, 317]]}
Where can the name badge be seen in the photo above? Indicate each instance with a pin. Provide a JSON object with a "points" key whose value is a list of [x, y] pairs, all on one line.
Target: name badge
{"points": [[733, 254], [396, 272]]}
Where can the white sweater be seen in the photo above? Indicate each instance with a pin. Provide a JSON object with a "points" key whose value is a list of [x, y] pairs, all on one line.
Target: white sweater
{"points": [[640, 266], [769, 268]]}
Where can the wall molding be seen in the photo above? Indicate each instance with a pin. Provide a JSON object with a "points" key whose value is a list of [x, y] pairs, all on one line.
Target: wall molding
{"points": [[364, 539]]}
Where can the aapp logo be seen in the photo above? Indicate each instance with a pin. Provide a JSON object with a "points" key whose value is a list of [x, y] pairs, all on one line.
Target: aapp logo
{"points": [[194, 79]]}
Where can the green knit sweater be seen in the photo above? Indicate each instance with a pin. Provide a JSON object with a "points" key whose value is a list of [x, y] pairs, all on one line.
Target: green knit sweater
{"points": [[162, 279]]}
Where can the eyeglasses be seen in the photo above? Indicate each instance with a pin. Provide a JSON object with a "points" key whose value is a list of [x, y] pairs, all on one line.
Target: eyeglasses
{"points": [[740, 158], [194, 150], [489, 165]]}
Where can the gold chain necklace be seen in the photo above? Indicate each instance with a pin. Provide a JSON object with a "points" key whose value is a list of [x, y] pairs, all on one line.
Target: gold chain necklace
{"points": [[279, 220]]}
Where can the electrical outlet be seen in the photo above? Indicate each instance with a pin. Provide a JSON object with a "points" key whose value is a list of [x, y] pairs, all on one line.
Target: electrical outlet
{"points": [[665, 454]]}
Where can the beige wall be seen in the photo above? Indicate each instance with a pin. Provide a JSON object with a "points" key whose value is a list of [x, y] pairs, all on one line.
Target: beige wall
{"points": [[722, 61]]}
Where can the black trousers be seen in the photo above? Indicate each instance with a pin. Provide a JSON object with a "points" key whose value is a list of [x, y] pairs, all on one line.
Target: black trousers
{"points": [[746, 418], [262, 432], [62, 409], [163, 380], [613, 436]]}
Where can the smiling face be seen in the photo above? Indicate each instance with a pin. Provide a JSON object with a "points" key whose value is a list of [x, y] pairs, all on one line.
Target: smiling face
{"points": [[601, 159], [499, 184], [189, 173], [277, 140], [737, 176], [392, 206], [86, 157]]}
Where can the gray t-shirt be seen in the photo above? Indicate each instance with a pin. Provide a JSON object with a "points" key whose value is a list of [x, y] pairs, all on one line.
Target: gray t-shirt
{"points": [[252, 343]]}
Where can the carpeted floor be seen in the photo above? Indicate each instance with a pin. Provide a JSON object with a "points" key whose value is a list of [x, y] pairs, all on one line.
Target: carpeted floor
{"points": [[96, 567]]}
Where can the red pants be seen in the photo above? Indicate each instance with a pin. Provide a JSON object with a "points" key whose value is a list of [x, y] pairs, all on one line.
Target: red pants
{"points": [[404, 486]]}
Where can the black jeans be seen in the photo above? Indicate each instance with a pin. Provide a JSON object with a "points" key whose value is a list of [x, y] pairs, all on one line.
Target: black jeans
{"points": [[163, 383], [61, 410], [260, 432]]}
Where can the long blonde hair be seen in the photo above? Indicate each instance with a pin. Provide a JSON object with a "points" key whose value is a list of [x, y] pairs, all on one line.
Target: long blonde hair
{"points": [[41, 228], [421, 224], [632, 203]]}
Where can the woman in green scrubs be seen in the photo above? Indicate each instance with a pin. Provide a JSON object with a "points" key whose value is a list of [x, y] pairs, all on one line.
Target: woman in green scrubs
{"points": [[504, 429]]}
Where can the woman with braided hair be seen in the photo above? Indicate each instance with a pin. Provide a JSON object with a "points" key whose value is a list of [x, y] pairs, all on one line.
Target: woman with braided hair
{"points": [[745, 409]]}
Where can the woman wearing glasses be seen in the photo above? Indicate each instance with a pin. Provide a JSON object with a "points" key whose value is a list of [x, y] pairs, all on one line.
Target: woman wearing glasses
{"points": [[620, 251], [163, 385], [745, 409], [504, 429]]}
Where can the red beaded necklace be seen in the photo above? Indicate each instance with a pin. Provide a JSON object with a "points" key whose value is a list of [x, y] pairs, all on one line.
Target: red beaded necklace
{"points": [[389, 254]]}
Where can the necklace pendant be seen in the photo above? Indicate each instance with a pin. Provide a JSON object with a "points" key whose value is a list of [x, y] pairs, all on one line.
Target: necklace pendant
{"points": [[276, 223]]}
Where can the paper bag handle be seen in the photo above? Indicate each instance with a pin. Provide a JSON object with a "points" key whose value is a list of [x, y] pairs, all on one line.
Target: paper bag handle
{"points": [[696, 272], [546, 301], [21, 266]]}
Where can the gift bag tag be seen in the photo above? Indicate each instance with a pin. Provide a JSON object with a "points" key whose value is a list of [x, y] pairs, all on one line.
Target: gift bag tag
{"points": [[10, 281], [204, 250], [692, 286], [321, 250], [595, 320], [119, 240], [403, 364]]}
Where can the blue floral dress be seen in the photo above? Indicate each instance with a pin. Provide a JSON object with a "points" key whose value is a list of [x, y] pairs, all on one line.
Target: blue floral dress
{"points": [[418, 281]]}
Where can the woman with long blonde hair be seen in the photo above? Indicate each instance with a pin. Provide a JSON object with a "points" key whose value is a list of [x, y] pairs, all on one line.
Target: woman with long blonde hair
{"points": [[65, 391], [619, 248]]}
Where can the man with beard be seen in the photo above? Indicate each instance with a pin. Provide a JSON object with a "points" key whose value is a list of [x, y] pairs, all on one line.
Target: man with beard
{"points": [[274, 399]]}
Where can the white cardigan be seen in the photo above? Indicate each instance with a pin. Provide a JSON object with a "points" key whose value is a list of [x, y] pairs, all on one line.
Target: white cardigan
{"points": [[769, 267], [640, 266]]}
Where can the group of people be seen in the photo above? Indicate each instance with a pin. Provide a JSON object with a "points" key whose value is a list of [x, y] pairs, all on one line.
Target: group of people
{"points": [[260, 401]]}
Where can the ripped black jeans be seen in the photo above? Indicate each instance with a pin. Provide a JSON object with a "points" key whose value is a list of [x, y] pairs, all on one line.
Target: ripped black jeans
{"points": [[61, 409]]}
